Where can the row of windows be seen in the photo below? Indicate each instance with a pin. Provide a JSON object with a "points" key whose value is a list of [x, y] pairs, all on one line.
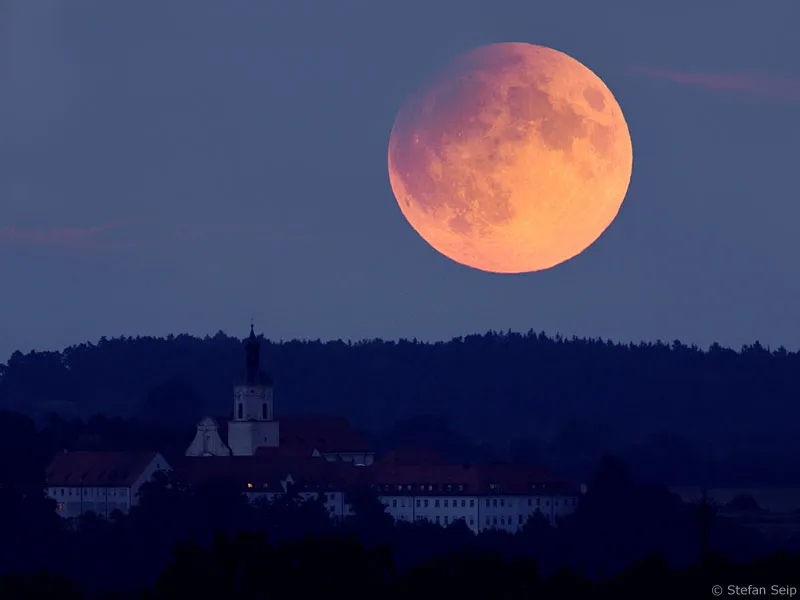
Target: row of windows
{"points": [[490, 502], [446, 520], [90, 491], [490, 521], [444, 487]]}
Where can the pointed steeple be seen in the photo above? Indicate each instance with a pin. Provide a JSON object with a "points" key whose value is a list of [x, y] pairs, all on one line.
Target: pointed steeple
{"points": [[253, 374]]}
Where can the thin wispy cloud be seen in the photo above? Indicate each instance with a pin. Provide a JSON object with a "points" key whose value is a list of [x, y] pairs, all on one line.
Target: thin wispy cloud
{"points": [[778, 88], [133, 234]]}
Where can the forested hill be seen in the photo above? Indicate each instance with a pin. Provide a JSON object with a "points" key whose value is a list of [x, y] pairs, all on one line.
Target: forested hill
{"points": [[491, 387]]}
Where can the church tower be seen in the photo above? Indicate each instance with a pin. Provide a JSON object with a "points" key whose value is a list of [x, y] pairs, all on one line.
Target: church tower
{"points": [[252, 425]]}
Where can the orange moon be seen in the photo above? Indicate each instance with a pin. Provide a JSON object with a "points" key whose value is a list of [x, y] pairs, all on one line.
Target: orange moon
{"points": [[514, 158]]}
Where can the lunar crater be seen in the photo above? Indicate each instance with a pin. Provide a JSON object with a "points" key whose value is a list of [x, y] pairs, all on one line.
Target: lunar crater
{"points": [[498, 162]]}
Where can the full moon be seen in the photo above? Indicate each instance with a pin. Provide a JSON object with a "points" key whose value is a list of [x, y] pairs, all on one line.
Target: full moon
{"points": [[514, 158]]}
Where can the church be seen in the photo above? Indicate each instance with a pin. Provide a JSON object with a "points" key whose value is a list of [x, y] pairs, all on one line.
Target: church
{"points": [[318, 457], [252, 429]]}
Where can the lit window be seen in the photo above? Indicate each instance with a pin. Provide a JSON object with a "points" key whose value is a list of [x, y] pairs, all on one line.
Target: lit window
{"points": [[250, 485]]}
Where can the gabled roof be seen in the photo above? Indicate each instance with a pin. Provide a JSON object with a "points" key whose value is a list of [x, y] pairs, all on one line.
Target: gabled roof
{"points": [[323, 433], [98, 469], [410, 456]]}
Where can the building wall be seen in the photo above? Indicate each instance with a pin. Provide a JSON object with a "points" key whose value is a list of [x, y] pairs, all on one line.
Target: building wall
{"points": [[252, 400], [74, 501], [478, 512], [244, 437], [207, 441]]}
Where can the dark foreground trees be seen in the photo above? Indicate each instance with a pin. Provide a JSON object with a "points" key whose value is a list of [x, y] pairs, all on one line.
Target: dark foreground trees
{"points": [[247, 566]]}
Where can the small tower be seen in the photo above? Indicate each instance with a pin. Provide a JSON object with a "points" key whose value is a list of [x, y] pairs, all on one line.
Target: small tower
{"points": [[252, 425]]}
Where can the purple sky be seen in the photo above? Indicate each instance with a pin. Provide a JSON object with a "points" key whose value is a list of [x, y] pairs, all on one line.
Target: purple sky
{"points": [[185, 166]]}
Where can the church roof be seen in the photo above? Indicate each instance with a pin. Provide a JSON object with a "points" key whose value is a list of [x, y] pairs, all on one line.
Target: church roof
{"points": [[409, 455], [97, 469], [326, 434], [301, 435]]}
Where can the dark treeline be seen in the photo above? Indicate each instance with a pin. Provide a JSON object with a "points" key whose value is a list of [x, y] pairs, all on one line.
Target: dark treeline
{"points": [[210, 542], [677, 414]]}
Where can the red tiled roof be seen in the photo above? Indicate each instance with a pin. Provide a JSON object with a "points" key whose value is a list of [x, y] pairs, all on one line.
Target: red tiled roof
{"points": [[285, 451], [410, 456], [97, 469], [326, 434]]}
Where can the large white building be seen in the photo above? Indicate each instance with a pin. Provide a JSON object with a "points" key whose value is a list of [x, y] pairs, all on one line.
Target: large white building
{"points": [[490, 496], [100, 482], [318, 457]]}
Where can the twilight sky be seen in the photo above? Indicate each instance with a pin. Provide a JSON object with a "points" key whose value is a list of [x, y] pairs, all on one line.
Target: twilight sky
{"points": [[182, 166]]}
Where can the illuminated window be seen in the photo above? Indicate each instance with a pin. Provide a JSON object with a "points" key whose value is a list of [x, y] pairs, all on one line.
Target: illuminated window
{"points": [[250, 485]]}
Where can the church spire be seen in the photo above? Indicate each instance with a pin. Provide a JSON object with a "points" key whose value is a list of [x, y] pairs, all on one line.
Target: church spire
{"points": [[253, 374]]}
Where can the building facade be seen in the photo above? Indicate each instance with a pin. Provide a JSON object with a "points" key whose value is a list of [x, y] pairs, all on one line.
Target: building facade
{"points": [[100, 482], [492, 496]]}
